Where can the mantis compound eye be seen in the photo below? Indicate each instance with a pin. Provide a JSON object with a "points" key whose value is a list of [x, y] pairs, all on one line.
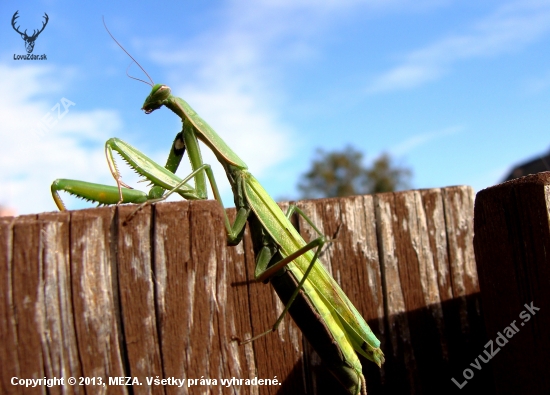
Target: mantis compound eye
{"points": [[161, 93], [156, 98]]}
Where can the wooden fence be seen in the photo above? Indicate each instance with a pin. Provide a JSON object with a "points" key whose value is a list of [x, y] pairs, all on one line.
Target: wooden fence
{"points": [[512, 246], [85, 296]]}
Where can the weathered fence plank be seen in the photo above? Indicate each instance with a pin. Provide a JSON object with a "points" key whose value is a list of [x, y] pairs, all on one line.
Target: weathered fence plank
{"points": [[163, 296], [59, 342], [428, 336], [137, 296], [28, 306], [174, 282], [8, 326], [95, 297], [512, 246]]}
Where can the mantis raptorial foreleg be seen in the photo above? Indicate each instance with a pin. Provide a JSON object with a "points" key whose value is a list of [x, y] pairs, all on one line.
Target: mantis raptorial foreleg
{"points": [[159, 176]]}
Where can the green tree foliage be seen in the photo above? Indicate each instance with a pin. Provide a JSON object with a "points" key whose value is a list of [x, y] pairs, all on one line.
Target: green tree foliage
{"points": [[341, 173]]}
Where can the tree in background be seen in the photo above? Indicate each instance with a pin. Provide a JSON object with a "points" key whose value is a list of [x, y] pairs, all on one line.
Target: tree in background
{"points": [[386, 176], [341, 173]]}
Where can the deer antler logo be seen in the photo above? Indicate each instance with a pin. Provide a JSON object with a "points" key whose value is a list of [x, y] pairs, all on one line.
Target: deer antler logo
{"points": [[29, 40]]}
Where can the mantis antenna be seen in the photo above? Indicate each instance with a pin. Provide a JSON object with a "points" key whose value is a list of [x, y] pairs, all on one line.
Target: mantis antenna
{"points": [[131, 57]]}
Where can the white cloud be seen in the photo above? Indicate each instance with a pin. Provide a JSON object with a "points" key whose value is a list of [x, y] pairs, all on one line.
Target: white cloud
{"points": [[231, 84], [421, 139], [512, 26], [33, 154]]}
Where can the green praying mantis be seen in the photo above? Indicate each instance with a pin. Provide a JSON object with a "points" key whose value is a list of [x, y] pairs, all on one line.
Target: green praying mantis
{"points": [[326, 316]]}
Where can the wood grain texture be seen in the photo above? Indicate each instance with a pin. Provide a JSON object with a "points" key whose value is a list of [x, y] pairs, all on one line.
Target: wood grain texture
{"points": [[430, 336], [95, 293], [137, 296], [8, 322], [28, 284], [162, 296], [59, 343]]}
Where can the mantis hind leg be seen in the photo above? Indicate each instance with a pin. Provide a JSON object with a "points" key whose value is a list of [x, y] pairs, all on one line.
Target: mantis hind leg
{"points": [[266, 269], [262, 257]]}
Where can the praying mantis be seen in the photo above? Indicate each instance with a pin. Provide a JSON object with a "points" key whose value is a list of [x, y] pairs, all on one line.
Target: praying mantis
{"points": [[318, 305]]}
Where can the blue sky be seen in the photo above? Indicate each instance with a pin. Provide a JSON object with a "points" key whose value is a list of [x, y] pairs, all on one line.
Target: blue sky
{"points": [[457, 90]]}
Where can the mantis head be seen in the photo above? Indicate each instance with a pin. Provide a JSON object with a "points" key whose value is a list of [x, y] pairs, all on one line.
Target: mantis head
{"points": [[156, 98]]}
